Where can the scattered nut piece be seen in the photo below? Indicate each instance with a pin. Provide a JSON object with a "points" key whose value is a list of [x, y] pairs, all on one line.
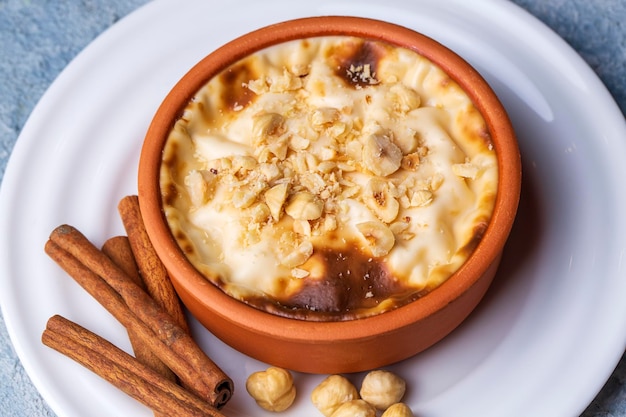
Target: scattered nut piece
{"points": [[286, 82], [350, 191], [361, 74], [421, 198], [243, 163], [275, 197], [244, 197], [435, 181], [259, 213], [324, 116], [269, 172], [400, 229], [328, 153], [466, 170], [331, 393], [355, 408], [304, 206], [257, 86], [300, 69], [200, 185], [354, 150], [326, 166], [379, 237], [299, 143], [313, 182], [298, 256], [266, 124], [299, 273], [302, 227], [272, 389], [329, 224], [338, 130], [381, 155], [382, 388], [378, 198], [398, 410], [410, 162], [279, 147], [347, 166], [405, 98]]}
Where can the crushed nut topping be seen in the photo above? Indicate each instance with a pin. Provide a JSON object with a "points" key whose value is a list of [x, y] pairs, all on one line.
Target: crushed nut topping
{"points": [[329, 151]]}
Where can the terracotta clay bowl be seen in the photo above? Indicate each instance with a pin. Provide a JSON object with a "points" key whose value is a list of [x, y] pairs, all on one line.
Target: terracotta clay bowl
{"points": [[344, 346]]}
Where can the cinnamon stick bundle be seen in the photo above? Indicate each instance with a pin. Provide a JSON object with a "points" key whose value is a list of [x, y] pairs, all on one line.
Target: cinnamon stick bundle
{"points": [[139, 313], [123, 371]]}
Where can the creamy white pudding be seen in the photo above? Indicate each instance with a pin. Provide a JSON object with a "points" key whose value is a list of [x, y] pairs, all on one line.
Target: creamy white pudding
{"points": [[330, 178]]}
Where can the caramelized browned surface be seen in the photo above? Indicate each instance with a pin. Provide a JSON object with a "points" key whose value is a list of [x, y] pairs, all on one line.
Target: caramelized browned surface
{"points": [[358, 62], [352, 284]]}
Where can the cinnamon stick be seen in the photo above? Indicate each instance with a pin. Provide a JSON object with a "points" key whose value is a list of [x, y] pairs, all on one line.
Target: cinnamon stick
{"points": [[153, 272], [118, 249], [123, 371], [115, 305], [139, 313]]}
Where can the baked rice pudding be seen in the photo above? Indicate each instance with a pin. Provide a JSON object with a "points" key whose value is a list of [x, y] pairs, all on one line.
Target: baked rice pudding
{"points": [[329, 178]]}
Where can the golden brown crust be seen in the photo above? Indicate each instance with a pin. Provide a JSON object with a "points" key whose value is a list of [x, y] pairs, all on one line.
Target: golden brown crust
{"points": [[324, 148]]}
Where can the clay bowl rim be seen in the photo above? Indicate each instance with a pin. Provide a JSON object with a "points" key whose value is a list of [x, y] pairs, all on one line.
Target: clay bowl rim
{"points": [[217, 302]]}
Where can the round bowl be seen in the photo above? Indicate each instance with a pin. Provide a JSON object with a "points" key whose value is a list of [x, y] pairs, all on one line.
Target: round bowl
{"points": [[352, 345]]}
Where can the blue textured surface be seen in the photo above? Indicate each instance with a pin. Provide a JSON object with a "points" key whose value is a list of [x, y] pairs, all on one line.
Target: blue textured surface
{"points": [[38, 38]]}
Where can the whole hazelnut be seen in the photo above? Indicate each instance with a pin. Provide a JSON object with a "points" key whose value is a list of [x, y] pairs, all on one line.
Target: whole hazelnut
{"points": [[272, 389], [382, 388], [332, 392]]}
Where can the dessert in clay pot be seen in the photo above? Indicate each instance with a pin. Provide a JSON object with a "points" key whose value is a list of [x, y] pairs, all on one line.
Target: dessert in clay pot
{"points": [[333, 175]]}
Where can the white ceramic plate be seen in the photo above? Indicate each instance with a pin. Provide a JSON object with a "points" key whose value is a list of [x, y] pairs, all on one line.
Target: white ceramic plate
{"points": [[550, 330]]}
